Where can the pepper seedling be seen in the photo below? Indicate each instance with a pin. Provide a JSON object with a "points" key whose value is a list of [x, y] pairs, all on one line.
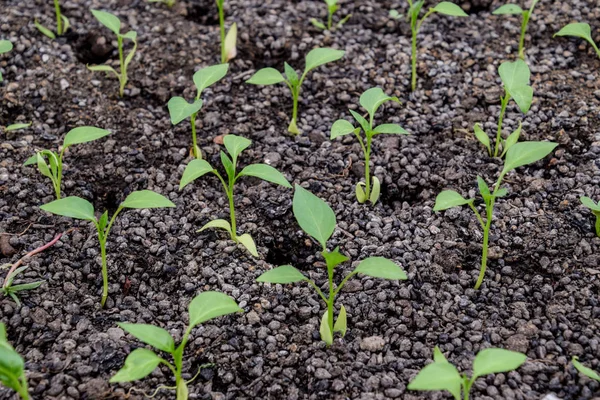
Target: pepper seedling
{"points": [[515, 77], [414, 8], [332, 7], [580, 30], [180, 109], [441, 375], [114, 24], [5, 47], [197, 168], [370, 100], [54, 166], [515, 9], [12, 367], [229, 39], [141, 362], [595, 209], [270, 76], [518, 155], [78, 208], [317, 220], [62, 23], [590, 373]]}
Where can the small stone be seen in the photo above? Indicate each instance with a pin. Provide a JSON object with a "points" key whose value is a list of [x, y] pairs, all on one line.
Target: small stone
{"points": [[372, 344]]}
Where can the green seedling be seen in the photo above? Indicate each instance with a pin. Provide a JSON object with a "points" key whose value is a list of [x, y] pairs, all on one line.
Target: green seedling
{"points": [[141, 362], [518, 155], [62, 23], [78, 208], [12, 367], [114, 24], [595, 209], [441, 375], [180, 109], [270, 76], [197, 168], [515, 77], [370, 100], [53, 167], [414, 9], [580, 30], [514, 9], [332, 7], [590, 373], [16, 127], [229, 39], [5, 47], [317, 219], [168, 3]]}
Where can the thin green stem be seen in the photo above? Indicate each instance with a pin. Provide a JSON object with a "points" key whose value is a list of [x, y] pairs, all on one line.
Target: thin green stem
{"points": [[341, 285], [104, 273], [477, 215], [23, 390], [598, 225], [123, 76], [331, 299], [367, 166], [486, 238], [522, 38], [222, 27], [232, 214], [195, 149], [59, 21], [414, 60], [504, 102], [329, 20], [318, 290], [293, 127], [59, 172]]}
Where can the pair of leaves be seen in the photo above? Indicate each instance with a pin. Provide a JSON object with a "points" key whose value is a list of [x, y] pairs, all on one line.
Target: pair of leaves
{"points": [[580, 30], [361, 195], [245, 239], [515, 76], [11, 290], [341, 326], [485, 140], [12, 366]]}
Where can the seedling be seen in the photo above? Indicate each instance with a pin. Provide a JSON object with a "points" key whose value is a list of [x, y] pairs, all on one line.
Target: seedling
{"points": [[141, 362], [54, 166], [332, 7], [590, 373], [580, 30], [5, 47], [317, 219], [62, 23], [370, 100], [229, 40], [114, 24], [12, 367], [78, 208], [180, 109], [515, 77], [595, 209], [441, 375], [514, 9], [168, 3], [270, 76], [197, 168], [16, 127], [414, 8], [518, 155]]}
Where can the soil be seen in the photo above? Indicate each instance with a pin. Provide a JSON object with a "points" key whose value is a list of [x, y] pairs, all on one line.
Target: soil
{"points": [[540, 295]]}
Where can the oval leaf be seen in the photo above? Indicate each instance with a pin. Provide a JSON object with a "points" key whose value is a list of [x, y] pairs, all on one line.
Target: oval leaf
{"points": [[341, 127], [526, 153], [314, 216], [84, 134], [266, 76], [194, 170], [247, 241], [108, 20], [208, 76], [373, 98], [482, 137], [15, 127], [447, 8], [146, 199], [589, 203], [72, 206], [510, 9], [380, 267], [267, 173], [359, 191], [217, 223], [392, 129], [284, 274], [138, 364], [5, 46], [235, 145], [325, 331], [230, 44], [438, 376], [590, 373], [180, 109], [492, 361], [578, 29], [511, 140], [375, 191], [448, 199], [209, 305], [155, 336], [341, 324], [317, 57]]}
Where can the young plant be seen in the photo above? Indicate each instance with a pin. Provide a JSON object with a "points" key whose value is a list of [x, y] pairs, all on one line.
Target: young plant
{"points": [[595, 209], [370, 100], [114, 24], [441, 375], [62, 23], [580, 30], [82, 134], [141, 362], [12, 367], [514, 9], [5, 47], [270, 76], [168, 3], [317, 219], [197, 168], [332, 7], [180, 109], [78, 208], [414, 8], [590, 373], [515, 77], [229, 40], [518, 155]]}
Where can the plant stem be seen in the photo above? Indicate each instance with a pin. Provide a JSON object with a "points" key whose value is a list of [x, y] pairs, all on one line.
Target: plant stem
{"points": [[414, 60], [598, 225], [523, 31], [368, 167], [123, 78], [329, 20], [293, 128], [330, 299], [23, 390], [59, 22], [504, 100], [222, 26], [232, 214], [195, 150], [104, 273]]}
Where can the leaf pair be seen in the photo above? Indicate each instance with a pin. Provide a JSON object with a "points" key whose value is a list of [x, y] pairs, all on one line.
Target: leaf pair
{"points": [[515, 9], [12, 366], [506, 144], [5, 47], [332, 7], [581, 30]]}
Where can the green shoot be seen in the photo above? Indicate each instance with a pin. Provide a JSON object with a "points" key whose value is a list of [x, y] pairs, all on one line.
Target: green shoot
{"points": [[180, 109], [142, 362], [197, 168], [168, 3], [518, 155], [114, 24], [370, 100], [82, 134], [317, 219], [270, 76], [16, 127], [441, 375], [514, 9], [332, 7], [5, 47], [580, 30], [12, 367], [62, 23], [78, 208], [595, 209], [229, 39], [590, 373]]}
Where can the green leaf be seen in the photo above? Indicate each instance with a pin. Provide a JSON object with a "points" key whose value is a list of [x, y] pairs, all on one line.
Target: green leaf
{"points": [[131, 35], [155, 336], [108, 20], [314, 216], [524, 153], [523, 96], [364, 124], [361, 196], [373, 98], [72, 206], [515, 77], [341, 127], [318, 24], [247, 241], [102, 68], [590, 373], [317, 57], [511, 140], [5, 46], [438, 376], [291, 74], [438, 356], [138, 364], [66, 24], [448, 199], [227, 164], [230, 44], [43, 167], [577, 29], [84, 134], [589, 203], [380, 267], [15, 127], [334, 258], [394, 14], [182, 391], [375, 190], [267, 173], [180, 109], [146, 199], [510, 9], [393, 129], [325, 331], [209, 305], [208, 76], [31, 160], [484, 189], [493, 361], [447, 8], [501, 192], [26, 286], [266, 76], [194, 170], [341, 324], [217, 223], [235, 145], [45, 31], [482, 137], [284, 274]]}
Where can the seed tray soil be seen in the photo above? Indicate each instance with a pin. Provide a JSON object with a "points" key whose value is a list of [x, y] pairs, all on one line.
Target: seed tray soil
{"points": [[540, 295]]}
